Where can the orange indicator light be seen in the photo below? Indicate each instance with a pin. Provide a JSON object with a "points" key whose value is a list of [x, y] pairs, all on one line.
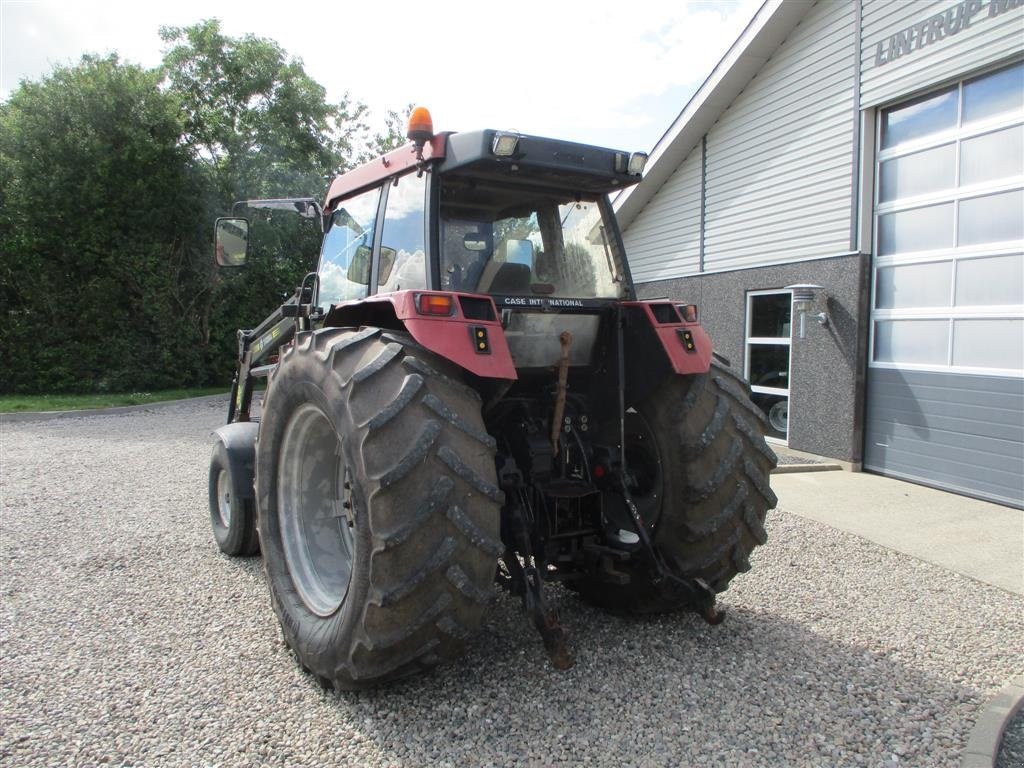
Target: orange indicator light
{"points": [[435, 304], [421, 126]]}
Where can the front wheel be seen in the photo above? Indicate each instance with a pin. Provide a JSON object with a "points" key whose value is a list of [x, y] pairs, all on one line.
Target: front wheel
{"points": [[232, 513], [378, 508], [707, 492]]}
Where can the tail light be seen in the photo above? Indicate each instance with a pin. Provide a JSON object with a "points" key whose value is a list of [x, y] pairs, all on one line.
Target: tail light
{"points": [[437, 304]]}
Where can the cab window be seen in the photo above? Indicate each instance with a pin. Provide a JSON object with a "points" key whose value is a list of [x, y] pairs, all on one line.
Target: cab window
{"points": [[517, 240], [403, 263], [347, 249]]}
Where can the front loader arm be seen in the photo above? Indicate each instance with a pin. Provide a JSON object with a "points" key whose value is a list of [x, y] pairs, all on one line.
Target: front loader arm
{"points": [[255, 346]]}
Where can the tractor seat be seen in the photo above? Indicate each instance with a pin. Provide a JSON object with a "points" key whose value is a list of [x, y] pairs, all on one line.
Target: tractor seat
{"points": [[506, 278]]}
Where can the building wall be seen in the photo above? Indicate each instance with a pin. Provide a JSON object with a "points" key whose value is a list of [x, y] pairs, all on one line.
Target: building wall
{"points": [[780, 159], [918, 44], [827, 365], [664, 240], [779, 166]]}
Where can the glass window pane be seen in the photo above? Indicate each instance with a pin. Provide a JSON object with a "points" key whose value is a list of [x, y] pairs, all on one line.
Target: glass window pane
{"points": [[348, 243], [998, 280], [989, 343], [913, 285], [912, 121], [992, 219], [919, 173], [403, 263], [769, 365], [994, 94], [912, 341], [992, 156], [921, 229], [770, 315]]}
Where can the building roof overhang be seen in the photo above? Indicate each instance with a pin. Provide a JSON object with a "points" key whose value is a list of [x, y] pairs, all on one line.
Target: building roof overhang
{"points": [[763, 35]]}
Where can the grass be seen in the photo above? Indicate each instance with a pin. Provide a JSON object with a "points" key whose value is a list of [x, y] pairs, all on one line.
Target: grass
{"points": [[18, 403]]}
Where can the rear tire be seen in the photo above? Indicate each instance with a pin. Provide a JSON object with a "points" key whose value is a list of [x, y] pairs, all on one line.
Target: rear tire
{"points": [[710, 471], [369, 420]]}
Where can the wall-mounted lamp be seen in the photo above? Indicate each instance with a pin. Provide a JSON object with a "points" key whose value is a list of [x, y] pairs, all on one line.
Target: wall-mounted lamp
{"points": [[804, 296]]}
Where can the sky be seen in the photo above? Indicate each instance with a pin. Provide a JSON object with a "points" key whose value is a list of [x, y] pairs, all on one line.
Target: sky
{"points": [[614, 74]]}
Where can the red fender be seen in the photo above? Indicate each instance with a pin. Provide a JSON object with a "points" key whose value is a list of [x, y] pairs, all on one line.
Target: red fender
{"points": [[453, 337], [676, 336]]}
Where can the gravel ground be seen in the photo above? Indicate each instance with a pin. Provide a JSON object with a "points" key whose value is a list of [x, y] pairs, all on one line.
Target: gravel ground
{"points": [[127, 639]]}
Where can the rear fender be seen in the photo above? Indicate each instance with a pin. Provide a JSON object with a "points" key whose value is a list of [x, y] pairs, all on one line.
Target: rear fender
{"points": [[657, 325], [455, 337]]}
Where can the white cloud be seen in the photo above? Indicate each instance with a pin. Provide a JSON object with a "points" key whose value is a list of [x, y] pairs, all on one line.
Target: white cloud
{"points": [[596, 72]]}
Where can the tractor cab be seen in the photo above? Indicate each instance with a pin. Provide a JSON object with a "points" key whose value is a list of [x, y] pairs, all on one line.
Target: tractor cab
{"points": [[522, 219]]}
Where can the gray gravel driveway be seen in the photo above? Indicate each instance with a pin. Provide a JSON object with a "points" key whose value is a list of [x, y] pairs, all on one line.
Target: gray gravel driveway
{"points": [[127, 639]]}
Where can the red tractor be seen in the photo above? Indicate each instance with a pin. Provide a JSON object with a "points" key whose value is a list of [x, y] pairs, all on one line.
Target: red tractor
{"points": [[467, 391]]}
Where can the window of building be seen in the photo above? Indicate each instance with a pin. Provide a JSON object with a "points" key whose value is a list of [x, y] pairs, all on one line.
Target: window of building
{"points": [[403, 263], [769, 336], [347, 249], [948, 292]]}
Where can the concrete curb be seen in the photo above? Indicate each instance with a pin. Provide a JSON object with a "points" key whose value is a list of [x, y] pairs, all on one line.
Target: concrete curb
{"points": [[12, 418], [983, 746], [783, 469]]}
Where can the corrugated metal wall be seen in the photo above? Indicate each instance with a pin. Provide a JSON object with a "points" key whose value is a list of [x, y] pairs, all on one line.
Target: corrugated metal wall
{"points": [[779, 179], [955, 431], [780, 160], [664, 240], [987, 38]]}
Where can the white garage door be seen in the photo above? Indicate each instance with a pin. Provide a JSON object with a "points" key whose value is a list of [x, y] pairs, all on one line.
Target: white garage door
{"points": [[945, 399]]}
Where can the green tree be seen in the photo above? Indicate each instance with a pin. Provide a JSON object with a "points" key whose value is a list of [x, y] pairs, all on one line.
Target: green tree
{"points": [[110, 179], [257, 126], [261, 125], [99, 212], [391, 138]]}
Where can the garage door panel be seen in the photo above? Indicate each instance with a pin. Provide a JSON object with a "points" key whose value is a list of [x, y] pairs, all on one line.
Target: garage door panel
{"points": [[931, 445], [975, 487], [943, 429], [949, 430], [1001, 487]]}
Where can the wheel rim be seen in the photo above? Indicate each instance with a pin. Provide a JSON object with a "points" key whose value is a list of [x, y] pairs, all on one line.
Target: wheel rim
{"points": [[778, 416], [315, 533], [224, 498], [644, 462]]}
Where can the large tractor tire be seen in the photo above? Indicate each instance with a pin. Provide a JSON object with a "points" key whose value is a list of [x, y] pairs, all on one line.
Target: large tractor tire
{"points": [[701, 465], [378, 511]]}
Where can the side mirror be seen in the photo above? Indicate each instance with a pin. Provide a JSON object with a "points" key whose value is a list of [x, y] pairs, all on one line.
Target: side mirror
{"points": [[359, 267], [231, 242], [387, 263], [519, 252]]}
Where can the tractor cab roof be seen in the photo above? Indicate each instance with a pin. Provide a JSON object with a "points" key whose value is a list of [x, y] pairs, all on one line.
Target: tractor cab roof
{"points": [[512, 157], [504, 156]]}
